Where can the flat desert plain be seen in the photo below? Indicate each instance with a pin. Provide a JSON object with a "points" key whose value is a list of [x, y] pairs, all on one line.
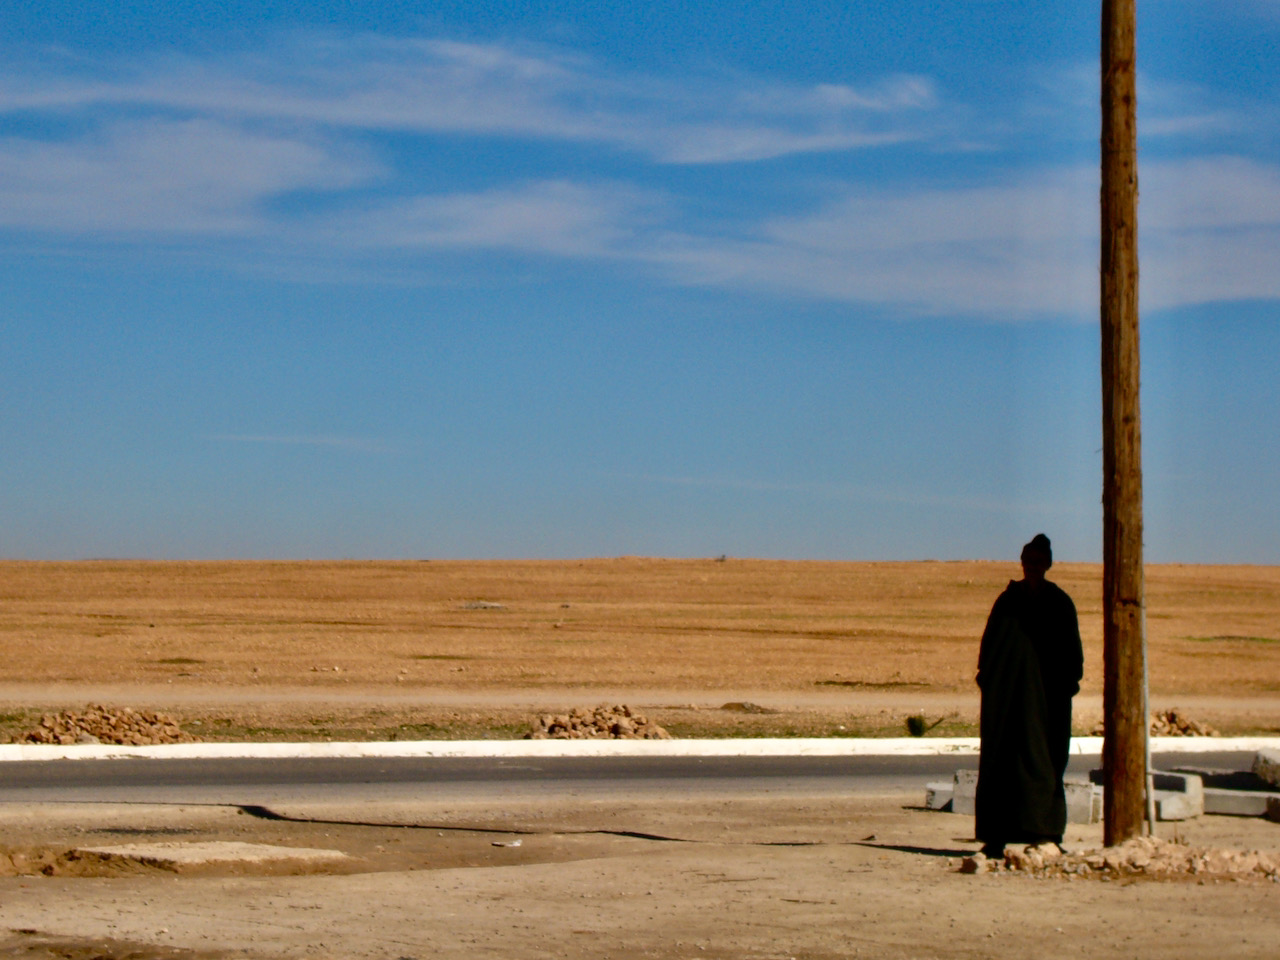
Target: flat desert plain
{"points": [[707, 647]]}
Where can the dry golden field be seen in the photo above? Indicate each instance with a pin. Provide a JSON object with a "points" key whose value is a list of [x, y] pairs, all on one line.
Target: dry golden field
{"points": [[448, 649], [432, 648]]}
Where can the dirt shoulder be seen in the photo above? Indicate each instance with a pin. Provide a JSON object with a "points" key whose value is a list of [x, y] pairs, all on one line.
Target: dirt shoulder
{"points": [[302, 714], [720, 877]]}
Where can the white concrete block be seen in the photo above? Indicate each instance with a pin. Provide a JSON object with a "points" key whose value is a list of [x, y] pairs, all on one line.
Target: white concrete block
{"points": [[1178, 796], [1237, 803], [1266, 764], [1084, 799], [1188, 785], [1176, 806], [965, 792], [1084, 802], [937, 796]]}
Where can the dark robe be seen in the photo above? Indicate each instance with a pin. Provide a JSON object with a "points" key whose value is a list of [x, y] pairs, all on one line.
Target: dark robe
{"points": [[1029, 668]]}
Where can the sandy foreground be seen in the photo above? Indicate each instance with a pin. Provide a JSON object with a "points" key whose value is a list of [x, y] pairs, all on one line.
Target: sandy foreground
{"points": [[742, 877], [428, 648]]}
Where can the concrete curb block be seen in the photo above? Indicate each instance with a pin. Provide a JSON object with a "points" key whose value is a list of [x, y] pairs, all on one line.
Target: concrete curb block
{"points": [[763, 747]]}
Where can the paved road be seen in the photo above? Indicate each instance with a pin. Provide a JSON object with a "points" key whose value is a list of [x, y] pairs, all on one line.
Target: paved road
{"points": [[257, 781]]}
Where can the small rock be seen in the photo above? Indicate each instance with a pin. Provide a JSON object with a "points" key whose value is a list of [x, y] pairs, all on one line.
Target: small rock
{"points": [[978, 863]]}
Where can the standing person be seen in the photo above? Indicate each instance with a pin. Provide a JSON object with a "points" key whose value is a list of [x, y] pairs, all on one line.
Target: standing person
{"points": [[1029, 668]]}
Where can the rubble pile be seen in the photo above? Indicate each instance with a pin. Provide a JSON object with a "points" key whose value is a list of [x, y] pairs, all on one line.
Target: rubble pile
{"points": [[1170, 723], [1141, 856], [603, 723], [99, 724]]}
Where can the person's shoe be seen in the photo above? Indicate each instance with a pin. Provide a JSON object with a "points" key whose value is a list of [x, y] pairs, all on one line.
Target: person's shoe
{"points": [[993, 851]]}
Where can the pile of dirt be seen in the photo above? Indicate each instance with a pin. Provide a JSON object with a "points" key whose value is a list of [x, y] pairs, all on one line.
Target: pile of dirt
{"points": [[99, 724], [603, 723], [1170, 723], [1141, 856]]}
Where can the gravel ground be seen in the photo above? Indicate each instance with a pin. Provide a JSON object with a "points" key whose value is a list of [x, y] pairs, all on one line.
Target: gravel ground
{"points": [[737, 878]]}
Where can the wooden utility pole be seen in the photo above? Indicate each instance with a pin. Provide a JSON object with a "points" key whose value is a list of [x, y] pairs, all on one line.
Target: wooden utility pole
{"points": [[1123, 602]]}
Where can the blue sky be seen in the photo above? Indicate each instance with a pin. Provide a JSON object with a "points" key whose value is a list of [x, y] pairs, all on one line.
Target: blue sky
{"points": [[803, 280]]}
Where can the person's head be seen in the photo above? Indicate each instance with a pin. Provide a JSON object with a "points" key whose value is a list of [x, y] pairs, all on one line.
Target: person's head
{"points": [[1037, 558]]}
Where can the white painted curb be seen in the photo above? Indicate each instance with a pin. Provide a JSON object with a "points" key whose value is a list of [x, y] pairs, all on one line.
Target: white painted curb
{"points": [[762, 747]]}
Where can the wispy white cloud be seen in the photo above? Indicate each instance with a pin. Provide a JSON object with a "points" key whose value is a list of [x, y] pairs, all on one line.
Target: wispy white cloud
{"points": [[1208, 229], [1189, 112], [1065, 103], [189, 176], [1209, 194], [184, 145], [545, 217], [438, 86], [1008, 250]]}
